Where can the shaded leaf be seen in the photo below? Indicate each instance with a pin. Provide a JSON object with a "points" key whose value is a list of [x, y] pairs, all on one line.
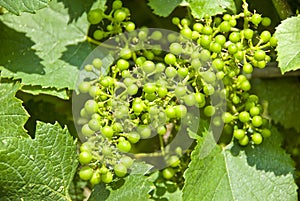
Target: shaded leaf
{"points": [[288, 36], [163, 7]]}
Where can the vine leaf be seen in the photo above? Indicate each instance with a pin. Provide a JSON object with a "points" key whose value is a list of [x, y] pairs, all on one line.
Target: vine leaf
{"points": [[163, 7], [35, 169], [287, 114], [263, 172], [288, 36], [200, 8], [12, 115], [37, 50], [19, 6], [133, 187]]}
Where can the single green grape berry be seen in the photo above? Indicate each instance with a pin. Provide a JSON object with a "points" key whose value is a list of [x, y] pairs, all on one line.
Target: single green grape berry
{"points": [[239, 134], [244, 116], [122, 64], [117, 4], [257, 121], [160, 67], [132, 89], [120, 15], [266, 21], [125, 53], [266, 133], [170, 112], [257, 138], [85, 147], [85, 173], [225, 26], [97, 63], [256, 18], [96, 178], [265, 36], [126, 160], [244, 141], [170, 72], [148, 67], [209, 77], [245, 85], [186, 32], [94, 91], [133, 137], [130, 26], [149, 88], [156, 35], [161, 130], [86, 131], [218, 64], [254, 111], [227, 17], [215, 47], [168, 173], [94, 124], [107, 177], [124, 146], [91, 107], [183, 72], [205, 41], [207, 30], [88, 68], [209, 110], [98, 34], [120, 170], [173, 161], [175, 48], [175, 20], [85, 157], [259, 55], [95, 16], [208, 89], [107, 131], [221, 39], [84, 87], [180, 91], [170, 58], [232, 48], [162, 92], [180, 111], [144, 131], [235, 37], [197, 27], [248, 33], [138, 108], [247, 68], [227, 117], [273, 41], [185, 22], [190, 99]]}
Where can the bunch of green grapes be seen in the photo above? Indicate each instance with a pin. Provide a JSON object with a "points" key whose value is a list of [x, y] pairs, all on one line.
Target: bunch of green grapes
{"points": [[115, 22], [160, 85], [235, 51]]}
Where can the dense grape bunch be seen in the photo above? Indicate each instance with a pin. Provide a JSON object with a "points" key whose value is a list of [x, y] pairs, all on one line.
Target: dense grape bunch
{"points": [[158, 84]]}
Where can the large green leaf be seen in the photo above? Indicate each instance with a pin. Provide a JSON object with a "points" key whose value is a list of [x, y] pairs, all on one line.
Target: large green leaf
{"points": [[200, 8], [40, 168], [163, 7], [19, 6], [288, 36], [12, 114], [281, 97], [263, 172], [44, 49]]}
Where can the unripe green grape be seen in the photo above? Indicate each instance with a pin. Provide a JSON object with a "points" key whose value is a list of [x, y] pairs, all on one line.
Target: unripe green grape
{"points": [[160, 67], [197, 27], [247, 68], [207, 30], [168, 173], [185, 22], [232, 49], [235, 37], [150, 96], [161, 130], [245, 85], [170, 58], [208, 89], [144, 131], [107, 177], [120, 170], [196, 63], [106, 151], [117, 4], [124, 146], [266, 21], [273, 41], [239, 134], [132, 89], [84, 87], [97, 63], [209, 77], [244, 116], [85, 147], [94, 91], [265, 36], [189, 99], [256, 18], [175, 20], [98, 34], [156, 35], [218, 64], [107, 131], [133, 137], [91, 107], [120, 15], [257, 138], [221, 39], [259, 55], [148, 66], [225, 26], [180, 111], [254, 111], [227, 117], [96, 178], [205, 41], [85, 157], [142, 35], [130, 26], [170, 72], [200, 98], [149, 88], [175, 48], [122, 64], [137, 108], [205, 55], [170, 112], [94, 124], [244, 141], [125, 53], [95, 16], [232, 22], [183, 72], [162, 92], [257, 121], [88, 68], [127, 161], [209, 110], [85, 173], [149, 55], [186, 32], [266, 133], [227, 17], [173, 161], [248, 33], [215, 47]]}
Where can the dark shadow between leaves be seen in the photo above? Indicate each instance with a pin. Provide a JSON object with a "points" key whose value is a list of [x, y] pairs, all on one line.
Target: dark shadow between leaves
{"points": [[267, 157], [17, 54], [99, 193], [77, 7]]}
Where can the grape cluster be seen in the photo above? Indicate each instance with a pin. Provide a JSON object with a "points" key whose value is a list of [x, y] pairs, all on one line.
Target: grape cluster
{"points": [[162, 82], [236, 47], [115, 22]]}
